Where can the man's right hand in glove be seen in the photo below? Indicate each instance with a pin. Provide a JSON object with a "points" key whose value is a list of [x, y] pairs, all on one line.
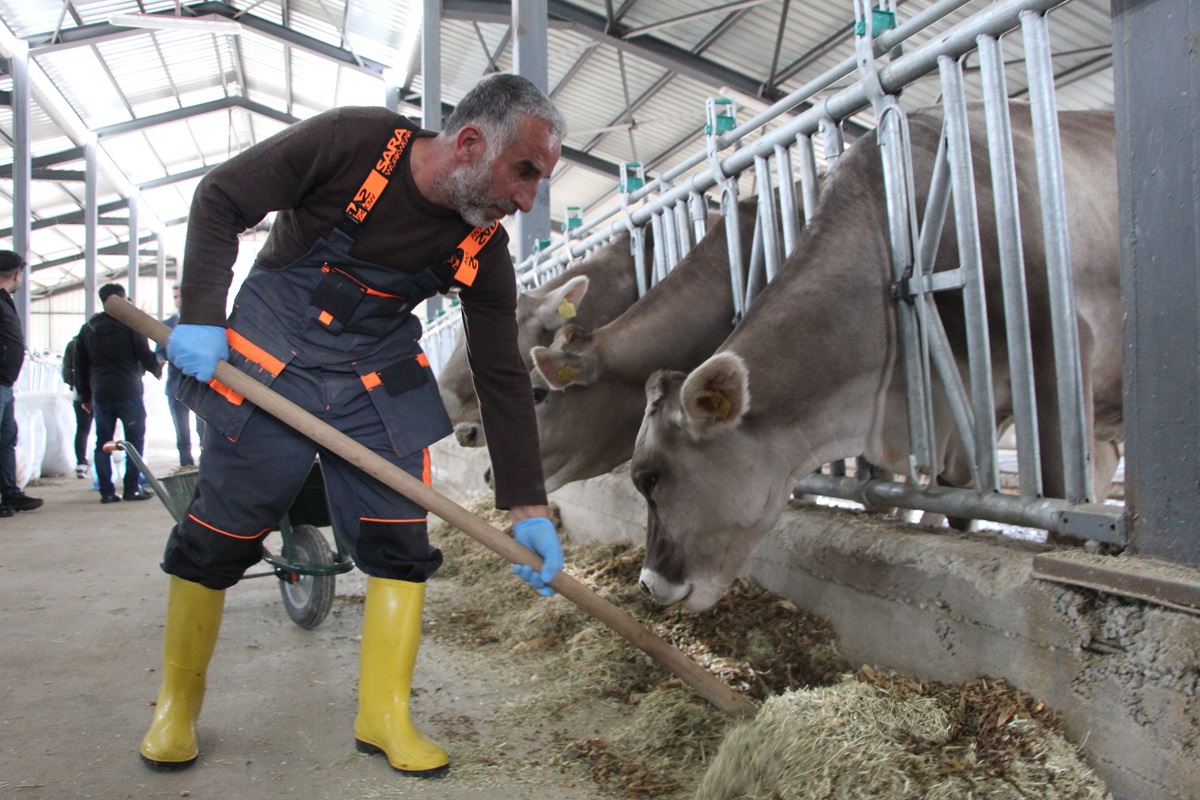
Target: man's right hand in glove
{"points": [[196, 349]]}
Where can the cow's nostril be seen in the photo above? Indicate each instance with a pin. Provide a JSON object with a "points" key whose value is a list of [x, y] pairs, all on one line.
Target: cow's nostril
{"points": [[644, 587]]}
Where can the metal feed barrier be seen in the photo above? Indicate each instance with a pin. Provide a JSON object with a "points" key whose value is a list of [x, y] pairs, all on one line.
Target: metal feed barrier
{"points": [[675, 206]]}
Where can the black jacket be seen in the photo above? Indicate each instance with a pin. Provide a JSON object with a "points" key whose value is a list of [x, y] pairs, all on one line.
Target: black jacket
{"points": [[110, 358], [12, 341]]}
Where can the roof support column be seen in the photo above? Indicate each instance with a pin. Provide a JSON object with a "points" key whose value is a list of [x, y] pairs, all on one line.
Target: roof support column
{"points": [[161, 274], [21, 172], [91, 214], [431, 66], [530, 24], [431, 91], [134, 259], [1156, 76]]}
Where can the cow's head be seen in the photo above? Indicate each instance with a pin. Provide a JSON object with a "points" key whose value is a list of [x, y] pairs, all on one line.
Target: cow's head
{"points": [[540, 314], [712, 484], [586, 417]]}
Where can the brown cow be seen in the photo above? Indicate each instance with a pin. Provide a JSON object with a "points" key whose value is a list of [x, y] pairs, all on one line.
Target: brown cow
{"points": [[608, 279], [588, 388], [813, 373]]}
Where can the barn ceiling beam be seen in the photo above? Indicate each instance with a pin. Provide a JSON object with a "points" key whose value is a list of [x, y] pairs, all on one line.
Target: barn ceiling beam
{"points": [[648, 48], [46, 161]]}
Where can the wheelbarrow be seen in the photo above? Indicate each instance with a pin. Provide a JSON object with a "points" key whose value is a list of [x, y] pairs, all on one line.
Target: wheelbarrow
{"points": [[305, 566]]}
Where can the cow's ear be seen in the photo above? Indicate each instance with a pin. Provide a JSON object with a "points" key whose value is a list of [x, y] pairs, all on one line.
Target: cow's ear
{"points": [[561, 369], [560, 305], [716, 395]]}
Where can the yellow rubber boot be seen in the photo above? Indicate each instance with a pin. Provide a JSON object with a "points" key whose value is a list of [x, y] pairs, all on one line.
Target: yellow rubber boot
{"points": [[193, 620], [390, 636]]}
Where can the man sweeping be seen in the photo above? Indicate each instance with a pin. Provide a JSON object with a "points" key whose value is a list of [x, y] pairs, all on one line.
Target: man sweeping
{"points": [[373, 216]]}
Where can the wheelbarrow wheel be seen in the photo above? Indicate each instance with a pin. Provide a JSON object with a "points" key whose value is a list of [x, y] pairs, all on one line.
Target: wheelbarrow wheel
{"points": [[310, 597]]}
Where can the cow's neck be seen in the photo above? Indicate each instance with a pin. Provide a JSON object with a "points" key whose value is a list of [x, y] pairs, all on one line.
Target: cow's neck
{"points": [[820, 344], [683, 319]]}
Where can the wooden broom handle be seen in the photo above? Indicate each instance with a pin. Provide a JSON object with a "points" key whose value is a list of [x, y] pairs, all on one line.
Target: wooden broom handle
{"points": [[695, 676]]}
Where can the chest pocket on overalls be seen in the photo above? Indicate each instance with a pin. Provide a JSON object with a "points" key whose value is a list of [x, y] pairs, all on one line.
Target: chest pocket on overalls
{"points": [[406, 396], [344, 303]]}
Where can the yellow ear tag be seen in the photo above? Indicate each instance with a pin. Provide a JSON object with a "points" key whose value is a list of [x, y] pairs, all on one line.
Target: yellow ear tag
{"points": [[719, 403], [566, 374], [566, 309]]}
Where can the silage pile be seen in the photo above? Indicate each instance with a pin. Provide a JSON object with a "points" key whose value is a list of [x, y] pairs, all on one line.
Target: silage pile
{"points": [[821, 733]]}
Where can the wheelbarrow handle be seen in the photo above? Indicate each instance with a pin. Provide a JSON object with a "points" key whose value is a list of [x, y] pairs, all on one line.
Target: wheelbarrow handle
{"points": [[337, 442]]}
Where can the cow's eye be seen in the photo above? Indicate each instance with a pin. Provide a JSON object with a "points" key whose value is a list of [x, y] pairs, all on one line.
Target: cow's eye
{"points": [[646, 483], [539, 393]]}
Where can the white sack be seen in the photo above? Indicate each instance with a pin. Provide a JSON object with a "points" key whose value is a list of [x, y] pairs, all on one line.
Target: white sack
{"points": [[58, 415], [31, 443]]}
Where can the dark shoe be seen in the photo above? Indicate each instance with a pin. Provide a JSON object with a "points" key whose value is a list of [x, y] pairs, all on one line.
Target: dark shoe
{"points": [[140, 494], [5, 511], [109, 498], [22, 502]]}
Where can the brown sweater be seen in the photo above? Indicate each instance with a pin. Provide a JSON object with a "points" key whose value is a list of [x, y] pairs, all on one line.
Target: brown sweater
{"points": [[308, 173]]}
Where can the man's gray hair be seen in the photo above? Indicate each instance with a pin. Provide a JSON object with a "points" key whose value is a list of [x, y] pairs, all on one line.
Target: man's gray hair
{"points": [[498, 103]]}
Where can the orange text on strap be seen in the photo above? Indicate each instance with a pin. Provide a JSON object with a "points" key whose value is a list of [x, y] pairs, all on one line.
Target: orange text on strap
{"points": [[377, 181], [464, 261]]}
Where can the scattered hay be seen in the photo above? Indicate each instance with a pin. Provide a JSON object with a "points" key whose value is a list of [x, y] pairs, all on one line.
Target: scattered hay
{"points": [[879, 735], [821, 732]]}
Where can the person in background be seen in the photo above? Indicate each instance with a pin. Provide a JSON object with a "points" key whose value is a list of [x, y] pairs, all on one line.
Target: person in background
{"points": [[110, 358], [374, 215], [83, 417], [180, 414], [12, 358]]}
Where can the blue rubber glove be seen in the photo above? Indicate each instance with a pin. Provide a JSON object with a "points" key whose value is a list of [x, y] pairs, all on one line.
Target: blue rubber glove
{"points": [[538, 534], [196, 349]]}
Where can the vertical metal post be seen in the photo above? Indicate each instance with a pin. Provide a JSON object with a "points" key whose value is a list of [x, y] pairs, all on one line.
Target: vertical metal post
{"points": [[22, 174], [431, 65], [699, 211], [670, 233], [767, 218], [134, 258], [787, 199], [90, 219], [530, 27], [1156, 75], [1012, 265], [683, 229], [660, 255], [966, 219], [1076, 447], [431, 94], [809, 189], [160, 271]]}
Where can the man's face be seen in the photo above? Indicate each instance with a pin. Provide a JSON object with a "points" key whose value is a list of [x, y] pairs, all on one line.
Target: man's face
{"points": [[175, 294], [485, 190]]}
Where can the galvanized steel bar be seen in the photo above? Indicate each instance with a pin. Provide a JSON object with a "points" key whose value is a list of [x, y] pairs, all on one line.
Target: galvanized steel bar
{"points": [[1012, 265], [1095, 521], [1076, 447], [733, 242], [807, 162], [683, 228], [788, 212], [671, 234], [132, 249], [660, 258], [768, 221], [937, 201], [966, 219], [91, 213]]}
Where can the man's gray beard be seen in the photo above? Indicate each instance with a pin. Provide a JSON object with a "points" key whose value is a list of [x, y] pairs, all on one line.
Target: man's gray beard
{"points": [[466, 190]]}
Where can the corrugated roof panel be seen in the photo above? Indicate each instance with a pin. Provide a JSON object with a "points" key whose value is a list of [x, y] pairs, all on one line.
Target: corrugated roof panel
{"points": [[356, 88], [314, 84], [320, 19], [96, 101], [264, 64]]}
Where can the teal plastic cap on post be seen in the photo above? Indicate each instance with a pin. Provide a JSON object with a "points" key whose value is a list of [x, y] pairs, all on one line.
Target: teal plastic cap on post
{"points": [[631, 177], [574, 218], [881, 21], [724, 115]]}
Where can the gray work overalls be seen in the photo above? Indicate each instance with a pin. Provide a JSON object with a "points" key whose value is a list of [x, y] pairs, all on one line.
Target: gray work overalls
{"points": [[335, 336]]}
